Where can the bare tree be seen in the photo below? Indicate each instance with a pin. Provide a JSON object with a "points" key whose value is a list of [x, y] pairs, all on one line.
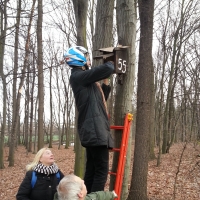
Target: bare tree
{"points": [[80, 9], [177, 27], [16, 53], [19, 93], [138, 188], [32, 101], [51, 107], [3, 29], [126, 30], [40, 76]]}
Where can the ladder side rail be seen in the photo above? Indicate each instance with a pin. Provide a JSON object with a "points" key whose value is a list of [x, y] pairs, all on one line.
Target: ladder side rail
{"points": [[122, 156], [121, 175]]}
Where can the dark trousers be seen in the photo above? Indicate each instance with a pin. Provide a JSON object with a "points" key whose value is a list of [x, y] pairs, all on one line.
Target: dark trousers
{"points": [[96, 168]]}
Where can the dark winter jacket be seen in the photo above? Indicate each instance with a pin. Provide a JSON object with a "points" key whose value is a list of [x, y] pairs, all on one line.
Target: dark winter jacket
{"points": [[44, 189], [93, 124]]}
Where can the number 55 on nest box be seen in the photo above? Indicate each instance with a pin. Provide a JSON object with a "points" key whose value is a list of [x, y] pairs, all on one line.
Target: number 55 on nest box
{"points": [[119, 55]]}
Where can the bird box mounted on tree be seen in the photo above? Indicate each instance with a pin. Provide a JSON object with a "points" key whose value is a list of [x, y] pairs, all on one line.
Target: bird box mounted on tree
{"points": [[119, 55]]}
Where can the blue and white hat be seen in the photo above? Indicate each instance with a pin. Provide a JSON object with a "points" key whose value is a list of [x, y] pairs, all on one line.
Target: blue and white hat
{"points": [[75, 56]]}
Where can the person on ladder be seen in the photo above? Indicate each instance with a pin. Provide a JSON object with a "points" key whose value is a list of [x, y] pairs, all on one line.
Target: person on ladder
{"points": [[93, 124]]}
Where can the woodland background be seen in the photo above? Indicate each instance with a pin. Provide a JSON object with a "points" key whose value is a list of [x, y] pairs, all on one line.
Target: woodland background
{"points": [[177, 176], [160, 87]]}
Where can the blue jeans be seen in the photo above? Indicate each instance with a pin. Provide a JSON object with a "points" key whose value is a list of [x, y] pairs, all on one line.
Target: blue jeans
{"points": [[96, 168]]}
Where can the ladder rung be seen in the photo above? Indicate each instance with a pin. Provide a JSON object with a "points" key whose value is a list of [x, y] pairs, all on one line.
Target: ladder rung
{"points": [[113, 173], [115, 149], [117, 127]]}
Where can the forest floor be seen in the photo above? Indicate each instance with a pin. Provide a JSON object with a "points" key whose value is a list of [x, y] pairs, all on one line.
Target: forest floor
{"points": [[177, 177]]}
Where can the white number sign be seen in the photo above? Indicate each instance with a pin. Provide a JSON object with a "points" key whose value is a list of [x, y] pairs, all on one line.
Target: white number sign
{"points": [[122, 65]]}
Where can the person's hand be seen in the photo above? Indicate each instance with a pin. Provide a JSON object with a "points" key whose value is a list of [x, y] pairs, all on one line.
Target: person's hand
{"points": [[106, 81], [115, 195], [88, 63]]}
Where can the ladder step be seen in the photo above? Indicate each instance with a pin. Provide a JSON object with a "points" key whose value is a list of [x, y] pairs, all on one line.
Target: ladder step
{"points": [[113, 173], [115, 149], [117, 127]]}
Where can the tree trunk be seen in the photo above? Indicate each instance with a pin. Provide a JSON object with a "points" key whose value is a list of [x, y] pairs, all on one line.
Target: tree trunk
{"points": [[138, 188], [40, 76], [51, 109], [27, 111], [103, 36], [16, 53], [80, 8], [3, 27], [59, 108], [36, 126], [152, 123], [126, 29], [32, 110]]}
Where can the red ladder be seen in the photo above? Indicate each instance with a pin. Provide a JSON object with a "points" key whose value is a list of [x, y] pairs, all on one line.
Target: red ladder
{"points": [[122, 153]]}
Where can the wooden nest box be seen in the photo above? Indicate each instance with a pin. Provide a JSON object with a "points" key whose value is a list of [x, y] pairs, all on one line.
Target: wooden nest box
{"points": [[119, 55]]}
